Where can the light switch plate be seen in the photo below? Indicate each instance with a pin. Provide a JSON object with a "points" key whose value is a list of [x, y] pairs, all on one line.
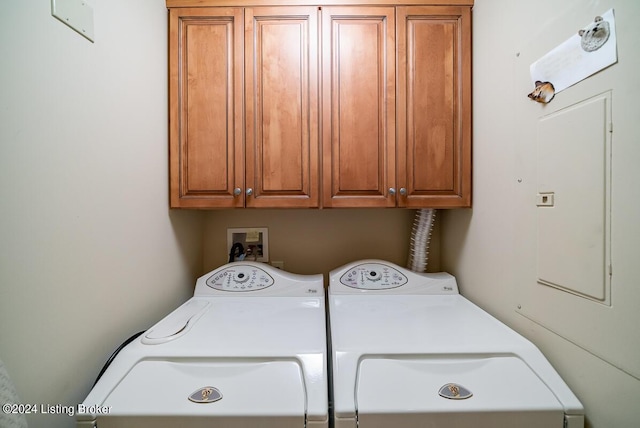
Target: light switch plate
{"points": [[545, 199], [77, 14]]}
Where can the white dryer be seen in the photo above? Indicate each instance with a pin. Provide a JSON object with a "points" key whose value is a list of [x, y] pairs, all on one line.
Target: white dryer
{"points": [[247, 350], [409, 351]]}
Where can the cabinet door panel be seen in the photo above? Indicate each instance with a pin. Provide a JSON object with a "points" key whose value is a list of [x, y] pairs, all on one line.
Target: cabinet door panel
{"points": [[205, 107], [434, 112], [282, 106], [358, 106]]}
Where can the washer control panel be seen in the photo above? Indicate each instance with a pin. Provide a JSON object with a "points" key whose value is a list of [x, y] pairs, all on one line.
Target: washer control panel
{"points": [[240, 278], [373, 276]]}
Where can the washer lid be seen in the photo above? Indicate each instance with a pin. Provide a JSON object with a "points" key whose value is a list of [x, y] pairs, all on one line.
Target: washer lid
{"points": [[482, 387], [176, 324], [264, 389]]}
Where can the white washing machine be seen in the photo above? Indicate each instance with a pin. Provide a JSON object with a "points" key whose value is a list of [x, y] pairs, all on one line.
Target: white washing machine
{"points": [[409, 351], [247, 350]]}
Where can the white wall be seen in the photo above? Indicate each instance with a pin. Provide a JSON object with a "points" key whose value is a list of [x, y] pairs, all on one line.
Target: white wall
{"points": [[491, 248], [89, 251]]}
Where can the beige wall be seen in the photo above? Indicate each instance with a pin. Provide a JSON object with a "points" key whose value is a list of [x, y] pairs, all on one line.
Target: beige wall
{"points": [[317, 241], [91, 254], [89, 251], [491, 248]]}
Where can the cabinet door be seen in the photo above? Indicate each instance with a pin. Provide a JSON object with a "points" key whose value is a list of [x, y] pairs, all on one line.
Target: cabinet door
{"points": [[358, 85], [281, 89], [205, 107], [434, 106]]}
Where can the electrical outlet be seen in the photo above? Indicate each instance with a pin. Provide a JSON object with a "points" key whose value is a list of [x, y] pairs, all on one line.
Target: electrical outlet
{"points": [[278, 264]]}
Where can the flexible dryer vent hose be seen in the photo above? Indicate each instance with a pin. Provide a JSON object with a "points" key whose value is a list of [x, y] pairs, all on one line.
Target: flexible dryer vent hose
{"points": [[420, 237]]}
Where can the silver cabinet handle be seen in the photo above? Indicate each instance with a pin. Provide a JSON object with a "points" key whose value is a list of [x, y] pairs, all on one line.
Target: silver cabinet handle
{"points": [[249, 191], [237, 191], [392, 191], [403, 191]]}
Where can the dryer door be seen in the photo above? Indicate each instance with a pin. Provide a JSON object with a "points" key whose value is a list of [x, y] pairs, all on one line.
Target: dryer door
{"points": [[190, 394], [461, 392]]}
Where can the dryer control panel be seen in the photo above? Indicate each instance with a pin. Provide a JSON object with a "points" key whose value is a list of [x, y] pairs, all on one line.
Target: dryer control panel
{"points": [[256, 279], [373, 276], [240, 278]]}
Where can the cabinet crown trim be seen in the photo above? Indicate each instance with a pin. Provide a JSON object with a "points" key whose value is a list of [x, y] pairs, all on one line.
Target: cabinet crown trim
{"points": [[232, 3]]}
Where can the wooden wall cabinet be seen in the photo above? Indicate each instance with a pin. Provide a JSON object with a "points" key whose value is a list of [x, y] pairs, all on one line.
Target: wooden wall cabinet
{"points": [[405, 145], [359, 87], [244, 107], [380, 117], [434, 106]]}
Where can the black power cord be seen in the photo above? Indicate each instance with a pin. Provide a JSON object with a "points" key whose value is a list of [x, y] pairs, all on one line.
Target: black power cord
{"points": [[115, 353], [236, 248]]}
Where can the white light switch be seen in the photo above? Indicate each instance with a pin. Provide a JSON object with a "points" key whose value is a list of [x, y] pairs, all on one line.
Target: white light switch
{"points": [[77, 14]]}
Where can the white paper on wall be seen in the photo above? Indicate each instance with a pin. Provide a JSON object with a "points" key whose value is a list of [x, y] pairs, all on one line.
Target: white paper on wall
{"points": [[569, 63]]}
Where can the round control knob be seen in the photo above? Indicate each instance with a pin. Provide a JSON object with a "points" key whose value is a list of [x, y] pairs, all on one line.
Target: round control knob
{"points": [[241, 277], [372, 275]]}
